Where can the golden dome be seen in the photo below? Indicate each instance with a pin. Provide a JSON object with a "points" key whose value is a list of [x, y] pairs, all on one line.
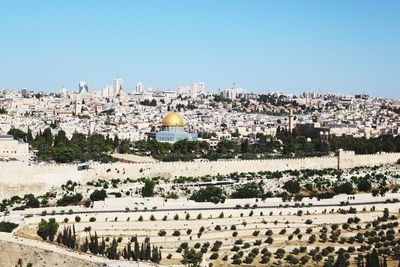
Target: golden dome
{"points": [[173, 119]]}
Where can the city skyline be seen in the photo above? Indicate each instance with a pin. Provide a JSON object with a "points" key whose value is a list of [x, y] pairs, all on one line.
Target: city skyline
{"points": [[260, 46], [199, 133]]}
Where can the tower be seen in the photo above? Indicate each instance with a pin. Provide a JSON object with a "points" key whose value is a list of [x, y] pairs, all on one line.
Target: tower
{"points": [[78, 106], [91, 127], [118, 85], [83, 87], [291, 123], [139, 88]]}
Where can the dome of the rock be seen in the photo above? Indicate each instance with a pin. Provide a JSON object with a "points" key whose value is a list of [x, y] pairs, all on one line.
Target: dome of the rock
{"points": [[173, 119]]}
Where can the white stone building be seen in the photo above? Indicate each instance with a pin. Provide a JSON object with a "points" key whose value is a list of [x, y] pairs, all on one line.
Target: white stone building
{"points": [[10, 147]]}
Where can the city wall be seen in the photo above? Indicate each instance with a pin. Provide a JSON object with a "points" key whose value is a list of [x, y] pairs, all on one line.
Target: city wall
{"points": [[38, 179]]}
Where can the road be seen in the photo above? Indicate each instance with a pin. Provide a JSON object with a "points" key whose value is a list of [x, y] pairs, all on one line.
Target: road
{"points": [[214, 208]]}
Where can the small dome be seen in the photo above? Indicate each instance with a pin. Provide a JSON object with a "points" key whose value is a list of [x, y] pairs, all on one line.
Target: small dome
{"points": [[173, 119]]}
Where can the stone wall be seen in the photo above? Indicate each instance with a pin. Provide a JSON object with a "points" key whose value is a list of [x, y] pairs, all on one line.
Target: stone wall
{"points": [[11, 148], [38, 179]]}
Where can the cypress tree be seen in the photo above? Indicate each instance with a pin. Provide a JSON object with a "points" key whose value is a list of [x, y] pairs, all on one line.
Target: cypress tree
{"points": [[96, 243], [85, 245], [112, 250], [59, 237], [136, 253], [360, 260], [159, 255], [69, 238], [142, 252], [148, 249], [102, 246], [129, 250], [125, 254], [29, 137], [372, 259], [65, 236], [341, 260], [154, 256], [73, 236]]}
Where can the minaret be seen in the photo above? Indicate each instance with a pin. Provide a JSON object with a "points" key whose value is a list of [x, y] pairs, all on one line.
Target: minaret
{"points": [[78, 107], [291, 122]]}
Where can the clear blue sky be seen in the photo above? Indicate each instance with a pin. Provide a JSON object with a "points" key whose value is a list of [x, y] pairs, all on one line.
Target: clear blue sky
{"points": [[350, 46]]}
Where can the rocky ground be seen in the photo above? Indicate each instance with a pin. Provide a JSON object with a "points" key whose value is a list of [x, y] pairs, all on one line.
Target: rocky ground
{"points": [[11, 252]]}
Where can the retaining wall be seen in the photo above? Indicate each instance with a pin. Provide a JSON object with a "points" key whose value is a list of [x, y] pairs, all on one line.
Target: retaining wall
{"points": [[38, 179]]}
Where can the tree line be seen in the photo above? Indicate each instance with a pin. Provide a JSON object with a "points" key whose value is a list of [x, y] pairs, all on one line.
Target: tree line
{"points": [[79, 147], [135, 251], [97, 147]]}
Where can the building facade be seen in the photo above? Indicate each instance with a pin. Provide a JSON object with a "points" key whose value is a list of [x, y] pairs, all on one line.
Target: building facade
{"points": [[172, 130], [10, 147]]}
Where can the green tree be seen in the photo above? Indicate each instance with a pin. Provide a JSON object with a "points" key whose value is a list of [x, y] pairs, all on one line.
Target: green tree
{"points": [[210, 193], [29, 137], [17, 134], [191, 258], [148, 188], [341, 260], [60, 139], [250, 190], [344, 188], [292, 186], [124, 147], [98, 195], [48, 137], [31, 201], [7, 227], [47, 229]]}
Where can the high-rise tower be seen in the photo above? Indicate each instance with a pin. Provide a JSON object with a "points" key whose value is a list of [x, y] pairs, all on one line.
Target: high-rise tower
{"points": [[118, 86], [83, 87]]}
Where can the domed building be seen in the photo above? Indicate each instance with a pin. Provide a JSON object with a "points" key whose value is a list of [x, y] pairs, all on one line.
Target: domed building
{"points": [[172, 130]]}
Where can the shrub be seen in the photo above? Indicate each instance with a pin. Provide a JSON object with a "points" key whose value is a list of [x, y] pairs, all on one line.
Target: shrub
{"points": [[249, 190], [269, 240], [280, 252], [292, 186], [256, 233], [212, 194], [98, 195], [7, 227], [235, 248], [214, 256]]}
